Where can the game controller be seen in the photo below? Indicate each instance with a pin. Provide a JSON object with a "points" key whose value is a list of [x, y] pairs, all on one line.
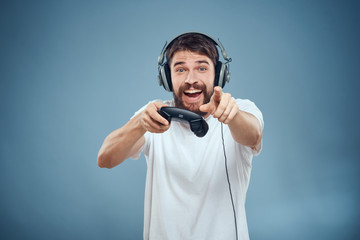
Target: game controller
{"points": [[197, 123]]}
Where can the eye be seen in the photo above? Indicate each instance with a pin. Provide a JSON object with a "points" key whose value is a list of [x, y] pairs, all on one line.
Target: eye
{"points": [[180, 70], [202, 69]]}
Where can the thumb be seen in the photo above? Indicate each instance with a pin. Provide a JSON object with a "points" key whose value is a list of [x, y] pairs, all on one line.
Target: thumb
{"points": [[206, 107]]}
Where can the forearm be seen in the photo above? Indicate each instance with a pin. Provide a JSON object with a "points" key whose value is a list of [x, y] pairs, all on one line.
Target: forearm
{"points": [[246, 129], [121, 143]]}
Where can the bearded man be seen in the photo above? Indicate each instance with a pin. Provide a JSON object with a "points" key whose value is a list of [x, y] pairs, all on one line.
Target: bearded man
{"points": [[187, 192]]}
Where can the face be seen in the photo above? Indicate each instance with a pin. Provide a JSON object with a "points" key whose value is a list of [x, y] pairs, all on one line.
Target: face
{"points": [[192, 76]]}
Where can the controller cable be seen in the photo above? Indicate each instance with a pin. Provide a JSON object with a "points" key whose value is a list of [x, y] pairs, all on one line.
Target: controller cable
{"points": [[228, 180]]}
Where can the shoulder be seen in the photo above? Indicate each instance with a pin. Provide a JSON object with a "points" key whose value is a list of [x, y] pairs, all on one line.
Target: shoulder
{"points": [[245, 104], [248, 106]]}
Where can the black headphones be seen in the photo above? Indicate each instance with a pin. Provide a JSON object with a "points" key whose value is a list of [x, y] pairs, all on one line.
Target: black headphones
{"points": [[222, 73]]}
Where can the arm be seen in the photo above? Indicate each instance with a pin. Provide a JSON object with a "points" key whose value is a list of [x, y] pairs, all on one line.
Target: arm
{"points": [[245, 128], [127, 140]]}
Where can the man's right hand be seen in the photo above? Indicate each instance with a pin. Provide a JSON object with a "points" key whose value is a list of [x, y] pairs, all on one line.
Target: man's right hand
{"points": [[152, 121]]}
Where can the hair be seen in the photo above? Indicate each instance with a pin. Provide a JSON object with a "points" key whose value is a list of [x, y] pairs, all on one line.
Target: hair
{"points": [[193, 42]]}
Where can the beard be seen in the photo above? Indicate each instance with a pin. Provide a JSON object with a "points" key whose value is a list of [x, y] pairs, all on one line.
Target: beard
{"points": [[194, 107]]}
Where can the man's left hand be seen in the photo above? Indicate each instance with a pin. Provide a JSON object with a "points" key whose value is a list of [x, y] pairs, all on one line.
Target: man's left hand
{"points": [[222, 106]]}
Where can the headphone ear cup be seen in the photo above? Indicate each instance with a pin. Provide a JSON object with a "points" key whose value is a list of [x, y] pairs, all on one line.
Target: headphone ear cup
{"points": [[220, 70], [168, 77], [165, 77], [217, 73], [222, 74]]}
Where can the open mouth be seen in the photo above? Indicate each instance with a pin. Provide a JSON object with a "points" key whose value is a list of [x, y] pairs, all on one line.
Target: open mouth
{"points": [[193, 93]]}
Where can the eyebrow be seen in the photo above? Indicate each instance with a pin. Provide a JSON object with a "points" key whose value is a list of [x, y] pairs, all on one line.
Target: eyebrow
{"points": [[200, 61]]}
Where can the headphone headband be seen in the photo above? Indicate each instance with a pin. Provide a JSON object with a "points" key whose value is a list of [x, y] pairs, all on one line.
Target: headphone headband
{"points": [[216, 42]]}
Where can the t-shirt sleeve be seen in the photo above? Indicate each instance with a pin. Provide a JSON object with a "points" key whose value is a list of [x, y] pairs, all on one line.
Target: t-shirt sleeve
{"points": [[250, 107]]}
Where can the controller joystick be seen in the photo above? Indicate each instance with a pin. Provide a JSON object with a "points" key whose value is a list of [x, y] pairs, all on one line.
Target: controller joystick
{"points": [[197, 123]]}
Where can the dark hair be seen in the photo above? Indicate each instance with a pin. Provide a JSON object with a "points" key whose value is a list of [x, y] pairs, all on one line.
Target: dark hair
{"points": [[194, 42]]}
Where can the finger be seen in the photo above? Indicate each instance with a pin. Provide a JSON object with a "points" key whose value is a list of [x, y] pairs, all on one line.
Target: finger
{"points": [[226, 112], [232, 114], [223, 106], [217, 94], [154, 126], [211, 106], [159, 128], [151, 119], [155, 115]]}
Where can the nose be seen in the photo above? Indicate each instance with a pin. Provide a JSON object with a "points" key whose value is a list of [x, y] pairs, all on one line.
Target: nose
{"points": [[191, 78]]}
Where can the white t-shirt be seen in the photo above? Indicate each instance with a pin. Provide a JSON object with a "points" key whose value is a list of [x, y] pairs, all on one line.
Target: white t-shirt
{"points": [[187, 194]]}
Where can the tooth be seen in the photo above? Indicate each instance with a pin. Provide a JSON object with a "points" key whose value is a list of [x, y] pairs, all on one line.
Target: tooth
{"points": [[192, 91]]}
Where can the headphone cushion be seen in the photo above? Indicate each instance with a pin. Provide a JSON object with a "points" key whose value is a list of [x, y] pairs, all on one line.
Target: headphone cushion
{"points": [[165, 77], [219, 74], [168, 76]]}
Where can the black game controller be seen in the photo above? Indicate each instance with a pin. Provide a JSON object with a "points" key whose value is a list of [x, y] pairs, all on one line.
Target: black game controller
{"points": [[197, 123]]}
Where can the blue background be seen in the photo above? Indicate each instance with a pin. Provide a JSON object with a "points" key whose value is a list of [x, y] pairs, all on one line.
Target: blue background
{"points": [[73, 71]]}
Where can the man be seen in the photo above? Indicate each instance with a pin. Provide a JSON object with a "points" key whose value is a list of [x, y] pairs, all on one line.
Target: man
{"points": [[187, 193]]}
